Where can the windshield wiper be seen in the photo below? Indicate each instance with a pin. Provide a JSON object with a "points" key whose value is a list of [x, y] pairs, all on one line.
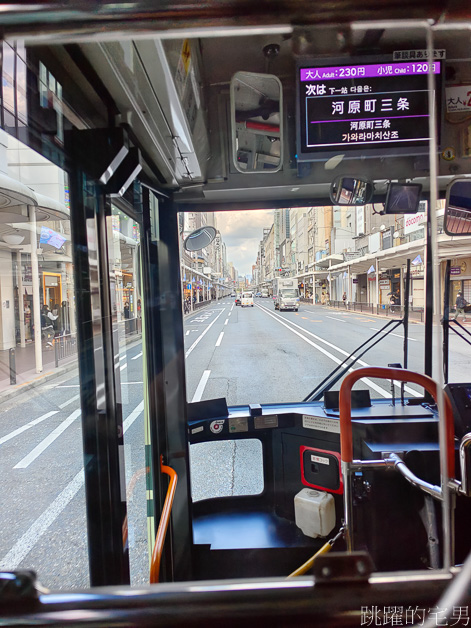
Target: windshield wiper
{"points": [[338, 372]]}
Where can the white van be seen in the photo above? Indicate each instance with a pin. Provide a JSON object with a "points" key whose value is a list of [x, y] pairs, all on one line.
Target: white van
{"points": [[247, 299]]}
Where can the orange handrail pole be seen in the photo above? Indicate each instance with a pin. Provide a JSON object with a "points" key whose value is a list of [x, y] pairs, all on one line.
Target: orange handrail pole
{"points": [[402, 375], [163, 523]]}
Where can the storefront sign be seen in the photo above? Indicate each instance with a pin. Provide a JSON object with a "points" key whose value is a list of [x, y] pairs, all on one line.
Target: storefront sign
{"points": [[413, 222], [354, 280], [349, 255], [455, 270], [360, 220], [384, 283]]}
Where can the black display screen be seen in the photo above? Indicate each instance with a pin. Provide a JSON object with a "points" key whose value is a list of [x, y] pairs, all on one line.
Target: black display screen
{"points": [[364, 109], [403, 198]]}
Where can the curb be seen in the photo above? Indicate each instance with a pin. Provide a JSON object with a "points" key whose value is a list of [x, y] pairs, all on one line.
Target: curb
{"points": [[41, 378], [378, 315]]}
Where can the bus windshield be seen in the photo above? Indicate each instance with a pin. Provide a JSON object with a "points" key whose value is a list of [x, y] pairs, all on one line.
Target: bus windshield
{"points": [[341, 279]]}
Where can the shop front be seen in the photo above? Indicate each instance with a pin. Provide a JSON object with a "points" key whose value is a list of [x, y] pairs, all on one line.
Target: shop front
{"points": [[460, 276]]}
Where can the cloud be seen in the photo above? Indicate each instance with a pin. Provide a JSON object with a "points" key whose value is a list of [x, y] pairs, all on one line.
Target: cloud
{"points": [[242, 231]]}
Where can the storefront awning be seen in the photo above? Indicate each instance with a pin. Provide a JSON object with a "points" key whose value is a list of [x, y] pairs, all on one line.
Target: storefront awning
{"points": [[14, 193], [394, 257], [56, 209]]}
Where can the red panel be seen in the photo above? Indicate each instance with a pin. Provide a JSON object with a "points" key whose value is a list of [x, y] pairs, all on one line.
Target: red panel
{"points": [[337, 491]]}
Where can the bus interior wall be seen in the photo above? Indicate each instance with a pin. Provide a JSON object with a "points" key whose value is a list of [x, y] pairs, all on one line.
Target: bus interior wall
{"points": [[203, 127]]}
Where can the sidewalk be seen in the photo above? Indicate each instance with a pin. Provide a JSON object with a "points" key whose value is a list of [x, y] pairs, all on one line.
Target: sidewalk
{"points": [[26, 376]]}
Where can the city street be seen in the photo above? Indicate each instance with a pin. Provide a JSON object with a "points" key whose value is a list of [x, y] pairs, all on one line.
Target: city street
{"points": [[259, 355], [248, 355]]}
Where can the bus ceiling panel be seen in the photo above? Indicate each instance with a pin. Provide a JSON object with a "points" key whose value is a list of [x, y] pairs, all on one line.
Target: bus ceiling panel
{"points": [[138, 77], [253, 193], [91, 17]]}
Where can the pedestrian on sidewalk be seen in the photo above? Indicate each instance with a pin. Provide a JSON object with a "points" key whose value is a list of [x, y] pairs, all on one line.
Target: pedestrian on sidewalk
{"points": [[460, 306], [47, 325]]}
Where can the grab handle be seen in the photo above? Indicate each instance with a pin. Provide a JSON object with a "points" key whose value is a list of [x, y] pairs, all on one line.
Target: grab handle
{"points": [[402, 375], [163, 524]]}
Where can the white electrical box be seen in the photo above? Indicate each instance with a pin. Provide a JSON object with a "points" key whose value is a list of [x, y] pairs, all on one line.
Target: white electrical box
{"points": [[314, 512]]}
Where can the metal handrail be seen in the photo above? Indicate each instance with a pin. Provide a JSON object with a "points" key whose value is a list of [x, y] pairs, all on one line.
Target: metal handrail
{"points": [[163, 524], [345, 407], [346, 439]]}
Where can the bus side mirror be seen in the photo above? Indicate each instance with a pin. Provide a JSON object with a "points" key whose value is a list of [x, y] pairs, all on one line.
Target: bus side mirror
{"points": [[458, 208], [257, 122], [351, 191], [200, 238]]}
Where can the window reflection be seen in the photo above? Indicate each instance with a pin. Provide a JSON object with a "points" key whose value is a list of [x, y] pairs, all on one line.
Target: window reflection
{"points": [[126, 306], [42, 501]]}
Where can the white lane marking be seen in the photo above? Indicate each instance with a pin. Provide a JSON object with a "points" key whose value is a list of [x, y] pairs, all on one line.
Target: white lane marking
{"points": [[64, 386], [201, 386], [187, 334], [230, 313], [414, 393], [44, 444], [325, 352], [133, 416], [393, 334], [71, 400], [25, 427], [408, 389], [334, 318], [137, 356], [219, 340], [125, 366], [30, 538], [226, 321], [199, 337], [123, 357]]}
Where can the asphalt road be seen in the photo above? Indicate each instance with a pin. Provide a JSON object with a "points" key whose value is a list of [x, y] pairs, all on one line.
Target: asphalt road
{"points": [[42, 502], [248, 355]]}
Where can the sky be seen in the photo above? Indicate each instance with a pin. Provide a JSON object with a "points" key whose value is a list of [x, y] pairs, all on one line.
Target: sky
{"points": [[242, 231]]}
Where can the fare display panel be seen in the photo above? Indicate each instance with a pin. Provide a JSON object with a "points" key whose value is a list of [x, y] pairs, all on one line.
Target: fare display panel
{"points": [[364, 109]]}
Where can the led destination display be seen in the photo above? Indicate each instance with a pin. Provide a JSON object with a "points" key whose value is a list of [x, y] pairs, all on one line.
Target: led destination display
{"points": [[364, 109]]}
